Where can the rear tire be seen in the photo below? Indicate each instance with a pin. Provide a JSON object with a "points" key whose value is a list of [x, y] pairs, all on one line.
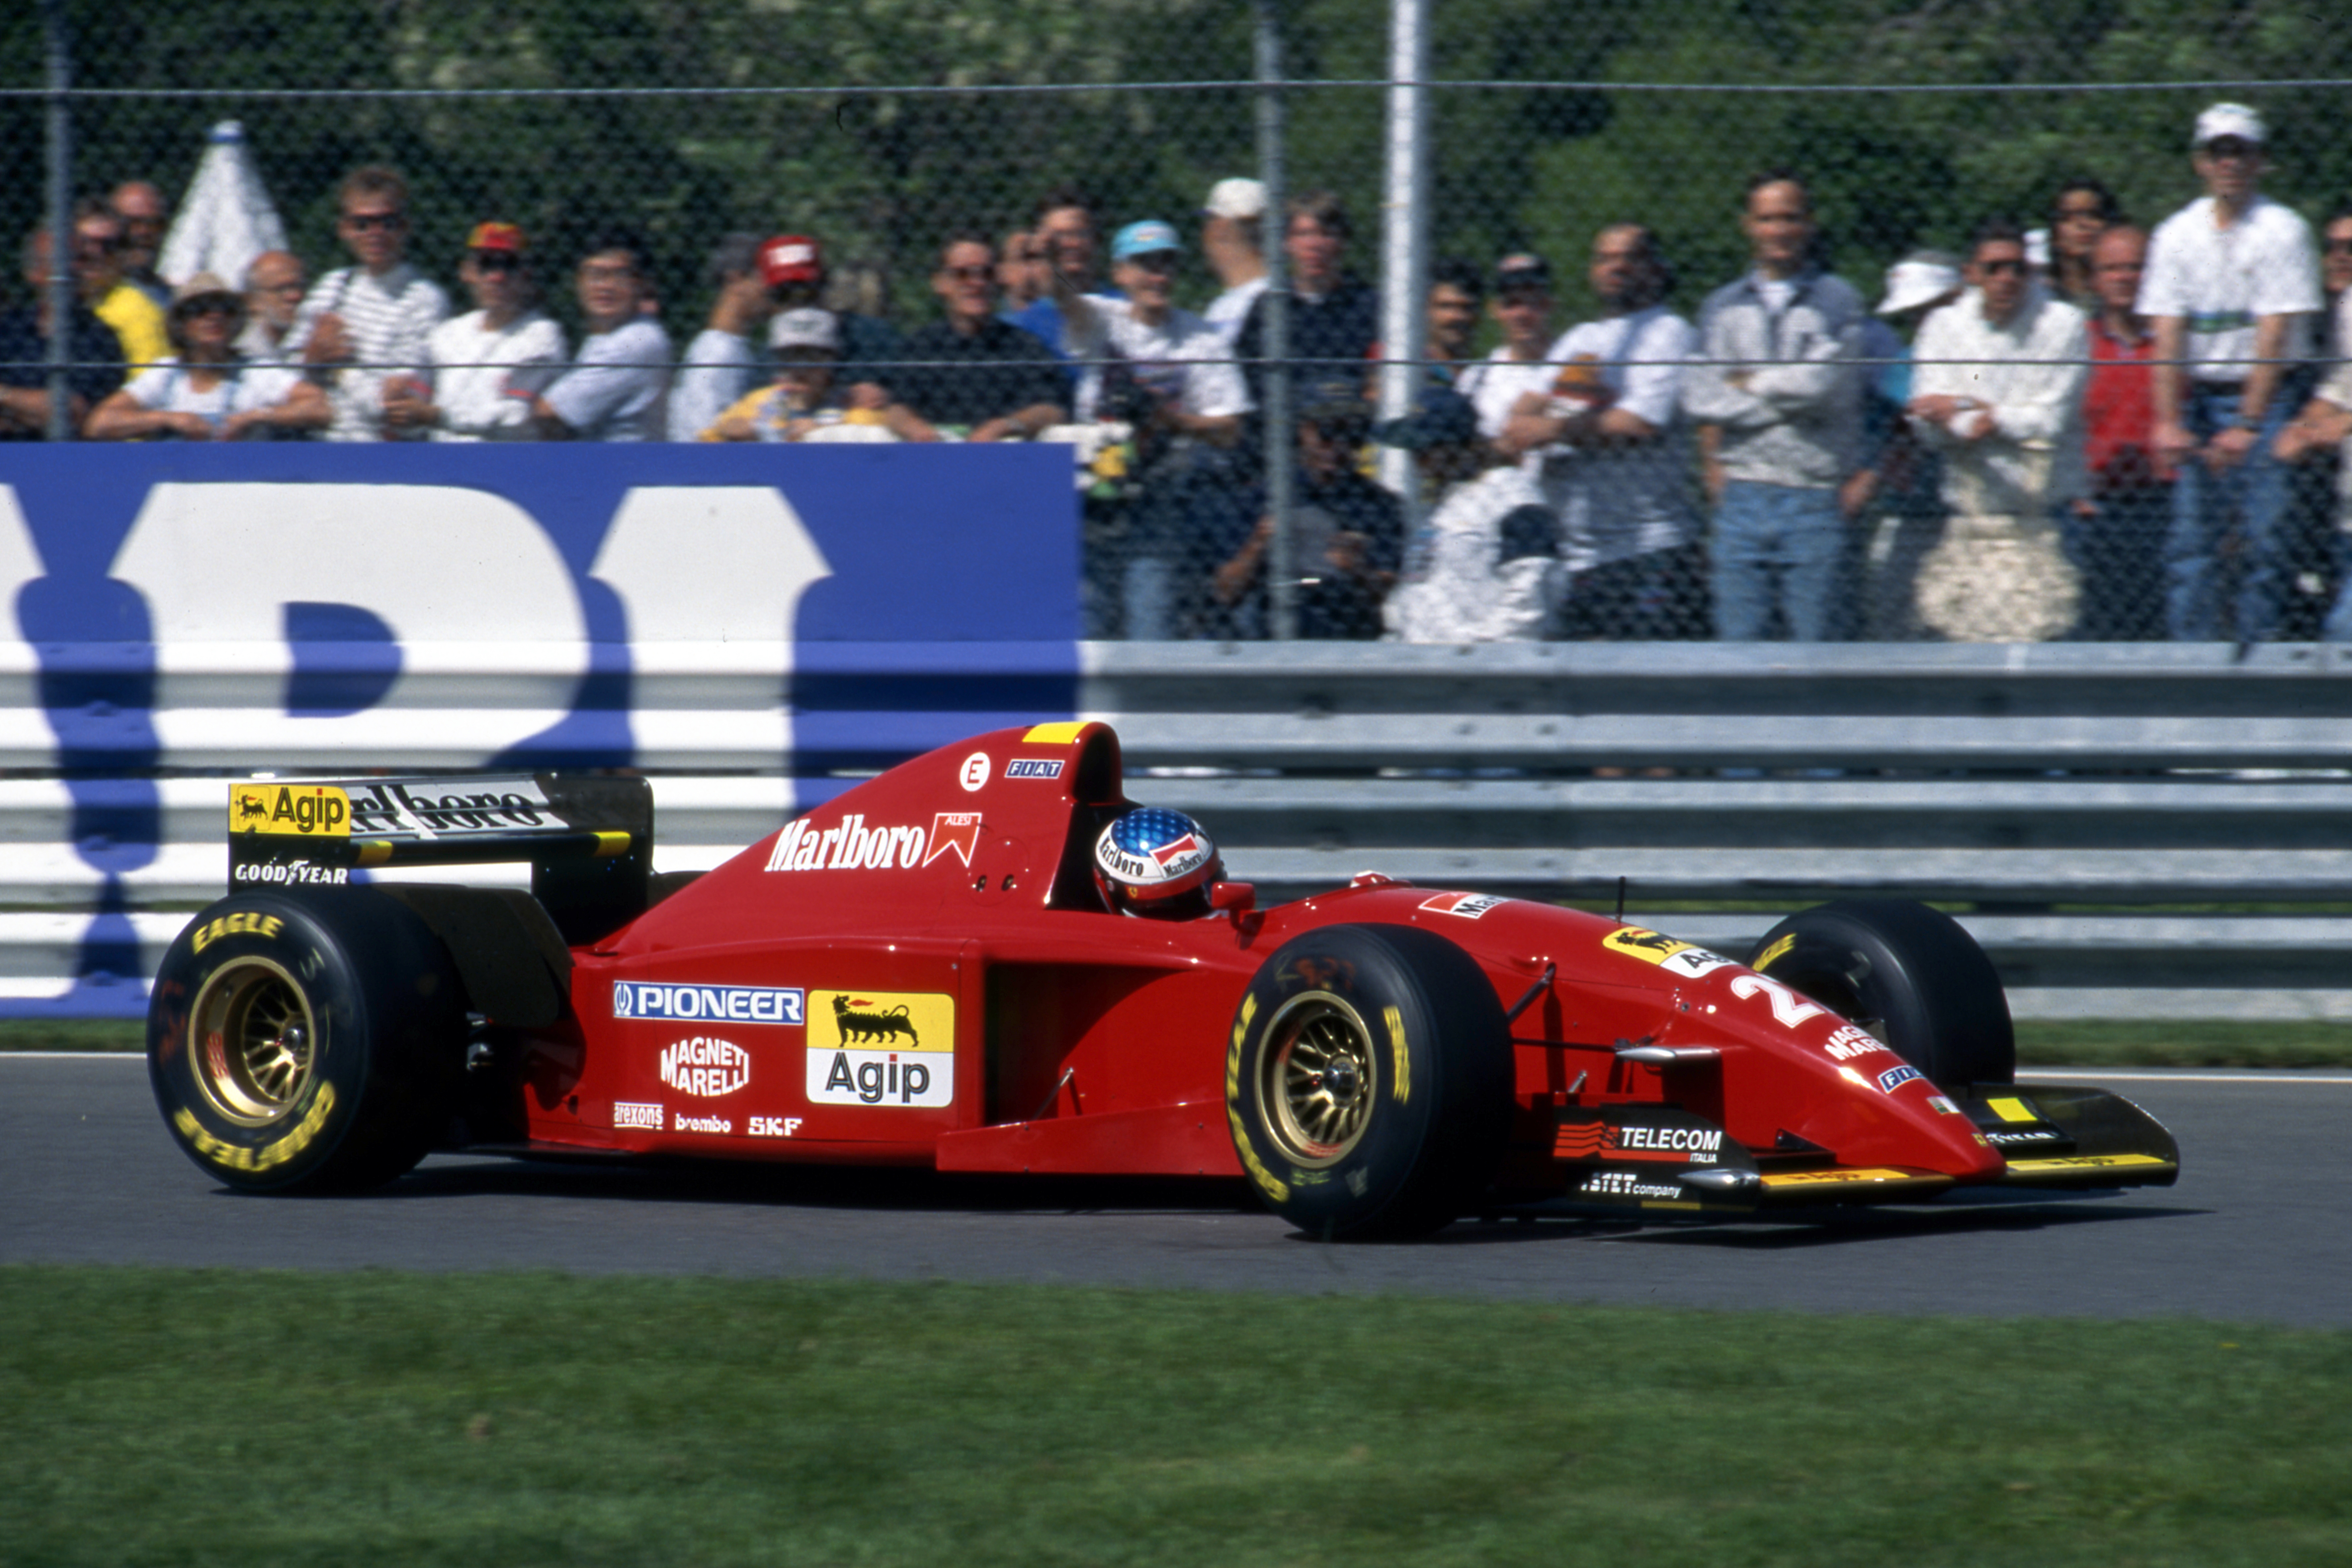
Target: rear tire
{"points": [[1909, 974], [1369, 1082], [310, 1042]]}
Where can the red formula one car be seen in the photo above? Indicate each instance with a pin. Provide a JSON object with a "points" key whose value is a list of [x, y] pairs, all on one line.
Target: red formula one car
{"points": [[989, 960]]}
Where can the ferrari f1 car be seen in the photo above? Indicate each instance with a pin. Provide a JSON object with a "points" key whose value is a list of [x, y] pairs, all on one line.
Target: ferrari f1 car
{"points": [[956, 965]]}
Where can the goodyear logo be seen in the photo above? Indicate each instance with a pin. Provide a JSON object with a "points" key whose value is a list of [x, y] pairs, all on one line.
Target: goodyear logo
{"points": [[269, 1155], [312, 811], [881, 1047]]}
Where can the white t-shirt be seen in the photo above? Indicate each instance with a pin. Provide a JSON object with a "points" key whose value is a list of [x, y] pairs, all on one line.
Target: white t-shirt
{"points": [[484, 379], [1229, 309], [1616, 502], [166, 387], [1182, 361], [2220, 281], [614, 390], [1494, 385]]}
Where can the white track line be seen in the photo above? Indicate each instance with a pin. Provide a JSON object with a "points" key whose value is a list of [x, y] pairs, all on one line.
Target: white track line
{"points": [[2271, 1075]]}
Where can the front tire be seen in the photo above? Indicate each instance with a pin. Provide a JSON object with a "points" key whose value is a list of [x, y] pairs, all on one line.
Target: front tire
{"points": [[306, 1042], [1367, 1083], [1909, 974]]}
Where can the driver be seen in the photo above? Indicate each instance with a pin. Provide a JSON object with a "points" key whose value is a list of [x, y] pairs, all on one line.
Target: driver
{"points": [[1156, 862]]}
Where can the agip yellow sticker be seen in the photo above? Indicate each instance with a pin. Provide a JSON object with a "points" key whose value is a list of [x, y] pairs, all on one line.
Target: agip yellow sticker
{"points": [[308, 811], [1686, 959], [893, 1048]]}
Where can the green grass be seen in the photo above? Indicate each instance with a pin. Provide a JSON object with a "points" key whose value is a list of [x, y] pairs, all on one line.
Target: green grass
{"points": [[73, 1035], [152, 1416], [2055, 1043], [2182, 1043]]}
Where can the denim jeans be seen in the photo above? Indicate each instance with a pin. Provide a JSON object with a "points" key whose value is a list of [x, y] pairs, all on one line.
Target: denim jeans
{"points": [[2205, 504], [1776, 545]]}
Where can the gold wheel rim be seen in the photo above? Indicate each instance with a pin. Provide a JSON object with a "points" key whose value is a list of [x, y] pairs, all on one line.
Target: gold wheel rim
{"points": [[254, 1041], [1318, 1079]]}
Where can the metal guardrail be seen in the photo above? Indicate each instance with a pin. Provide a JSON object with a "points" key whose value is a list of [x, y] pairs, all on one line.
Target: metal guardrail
{"points": [[1725, 783]]}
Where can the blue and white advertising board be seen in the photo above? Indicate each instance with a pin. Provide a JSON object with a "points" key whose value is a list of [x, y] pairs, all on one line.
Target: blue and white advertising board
{"points": [[799, 611]]}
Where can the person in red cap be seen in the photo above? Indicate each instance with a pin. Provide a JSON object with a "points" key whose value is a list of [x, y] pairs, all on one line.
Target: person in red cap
{"points": [[796, 274], [483, 367]]}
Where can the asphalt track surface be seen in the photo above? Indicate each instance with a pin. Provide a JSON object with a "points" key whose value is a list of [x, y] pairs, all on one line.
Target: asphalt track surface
{"points": [[2258, 1230]]}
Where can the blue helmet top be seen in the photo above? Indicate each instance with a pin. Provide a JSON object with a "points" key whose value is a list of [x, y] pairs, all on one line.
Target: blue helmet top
{"points": [[1151, 861]]}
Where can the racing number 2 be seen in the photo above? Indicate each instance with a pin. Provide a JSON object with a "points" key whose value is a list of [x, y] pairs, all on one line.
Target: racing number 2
{"points": [[1788, 1007]]}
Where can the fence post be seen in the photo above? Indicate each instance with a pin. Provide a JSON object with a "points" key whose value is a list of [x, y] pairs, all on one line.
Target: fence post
{"points": [[1405, 240], [62, 290], [1274, 230]]}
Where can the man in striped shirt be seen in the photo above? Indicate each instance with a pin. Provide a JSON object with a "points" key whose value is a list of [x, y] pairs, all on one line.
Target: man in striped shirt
{"points": [[362, 325]]}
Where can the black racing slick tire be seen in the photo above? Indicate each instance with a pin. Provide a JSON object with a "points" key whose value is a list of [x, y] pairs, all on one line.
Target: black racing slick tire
{"points": [[1368, 1082], [306, 1042], [1908, 973]]}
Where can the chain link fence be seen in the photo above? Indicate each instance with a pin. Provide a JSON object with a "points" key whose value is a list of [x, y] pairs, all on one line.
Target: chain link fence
{"points": [[1644, 447]]}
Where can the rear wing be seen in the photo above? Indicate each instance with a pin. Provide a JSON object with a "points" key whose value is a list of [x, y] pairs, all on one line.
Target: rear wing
{"points": [[588, 840]]}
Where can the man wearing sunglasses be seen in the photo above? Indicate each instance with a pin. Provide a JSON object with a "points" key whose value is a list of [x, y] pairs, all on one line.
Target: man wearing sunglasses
{"points": [[137, 320], [2230, 280], [363, 325], [488, 364], [1998, 389], [973, 371]]}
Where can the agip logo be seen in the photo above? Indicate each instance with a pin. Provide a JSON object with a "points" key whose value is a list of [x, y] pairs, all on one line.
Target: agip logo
{"points": [[309, 811], [881, 1047]]}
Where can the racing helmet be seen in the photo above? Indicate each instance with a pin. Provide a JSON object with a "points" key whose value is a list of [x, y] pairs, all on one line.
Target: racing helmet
{"points": [[1156, 862]]}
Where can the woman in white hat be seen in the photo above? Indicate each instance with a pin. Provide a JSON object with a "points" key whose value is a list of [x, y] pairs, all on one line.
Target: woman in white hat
{"points": [[207, 391], [1898, 492]]}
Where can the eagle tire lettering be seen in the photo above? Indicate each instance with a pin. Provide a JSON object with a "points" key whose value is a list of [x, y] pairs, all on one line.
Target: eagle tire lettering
{"points": [[306, 1042]]}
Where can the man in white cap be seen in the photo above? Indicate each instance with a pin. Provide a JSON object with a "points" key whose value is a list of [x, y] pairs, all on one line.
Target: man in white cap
{"points": [[803, 400], [2230, 279], [1231, 242]]}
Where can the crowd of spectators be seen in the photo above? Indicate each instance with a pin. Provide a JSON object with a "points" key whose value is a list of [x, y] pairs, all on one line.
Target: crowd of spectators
{"points": [[2090, 430]]}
